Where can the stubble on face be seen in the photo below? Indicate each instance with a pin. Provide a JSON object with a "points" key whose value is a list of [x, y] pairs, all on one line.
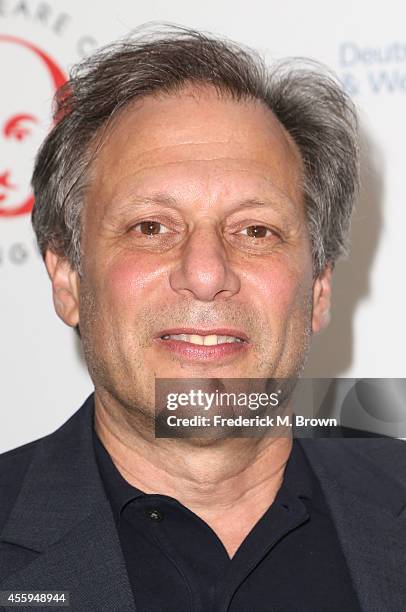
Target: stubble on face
{"points": [[116, 359]]}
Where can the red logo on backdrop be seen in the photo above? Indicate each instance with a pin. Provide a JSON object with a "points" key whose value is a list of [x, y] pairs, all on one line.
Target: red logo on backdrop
{"points": [[22, 118]]}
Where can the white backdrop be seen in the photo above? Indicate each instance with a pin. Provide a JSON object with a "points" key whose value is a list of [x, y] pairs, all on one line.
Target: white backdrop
{"points": [[43, 379]]}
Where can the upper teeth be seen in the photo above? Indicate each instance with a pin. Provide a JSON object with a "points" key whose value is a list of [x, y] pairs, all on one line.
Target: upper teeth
{"points": [[204, 340]]}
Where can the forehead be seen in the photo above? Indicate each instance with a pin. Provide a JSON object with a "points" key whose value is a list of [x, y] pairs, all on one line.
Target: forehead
{"points": [[197, 132]]}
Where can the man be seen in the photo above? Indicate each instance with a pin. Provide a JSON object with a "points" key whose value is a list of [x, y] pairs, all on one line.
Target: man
{"points": [[190, 207]]}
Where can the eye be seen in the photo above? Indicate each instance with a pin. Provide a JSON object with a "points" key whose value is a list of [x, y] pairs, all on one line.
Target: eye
{"points": [[150, 228], [257, 231]]}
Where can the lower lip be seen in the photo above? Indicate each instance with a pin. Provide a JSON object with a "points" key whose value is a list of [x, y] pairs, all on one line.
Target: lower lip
{"points": [[199, 352]]}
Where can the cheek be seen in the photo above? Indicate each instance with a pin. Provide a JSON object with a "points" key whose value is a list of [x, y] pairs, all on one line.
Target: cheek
{"points": [[130, 281], [283, 291]]}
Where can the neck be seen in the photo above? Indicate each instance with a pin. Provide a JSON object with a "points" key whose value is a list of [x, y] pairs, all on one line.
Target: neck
{"points": [[228, 483]]}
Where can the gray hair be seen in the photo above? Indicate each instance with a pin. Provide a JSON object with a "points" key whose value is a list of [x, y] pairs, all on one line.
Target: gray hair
{"points": [[304, 96]]}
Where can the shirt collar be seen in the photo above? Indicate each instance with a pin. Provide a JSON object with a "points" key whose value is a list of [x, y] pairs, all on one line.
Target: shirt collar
{"points": [[299, 481], [299, 478], [119, 491]]}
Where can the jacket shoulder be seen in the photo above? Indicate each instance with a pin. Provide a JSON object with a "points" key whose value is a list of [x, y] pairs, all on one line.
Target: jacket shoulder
{"points": [[387, 453], [13, 466], [369, 464], [379, 449], [44, 451]]}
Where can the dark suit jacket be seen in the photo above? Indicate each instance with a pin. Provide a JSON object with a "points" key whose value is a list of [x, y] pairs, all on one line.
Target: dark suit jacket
{"points": [[58, 533]]}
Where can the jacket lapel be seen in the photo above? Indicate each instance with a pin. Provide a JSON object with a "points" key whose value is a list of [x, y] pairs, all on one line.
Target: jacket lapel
{"points": [[62, 513], [367, 505]]}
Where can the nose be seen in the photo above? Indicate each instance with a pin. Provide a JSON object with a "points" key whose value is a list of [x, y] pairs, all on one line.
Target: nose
{"points": [[203, 271]]}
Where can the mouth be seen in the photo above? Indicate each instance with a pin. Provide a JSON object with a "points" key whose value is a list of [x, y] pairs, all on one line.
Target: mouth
{"points": [[203, 345]]}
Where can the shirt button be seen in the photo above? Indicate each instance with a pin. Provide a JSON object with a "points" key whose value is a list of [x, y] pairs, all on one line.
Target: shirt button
{"points": [[155, 515]]}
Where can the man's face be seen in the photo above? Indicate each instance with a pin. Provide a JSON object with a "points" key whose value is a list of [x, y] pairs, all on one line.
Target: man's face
{"points": [[25, 117], [194, 220]]}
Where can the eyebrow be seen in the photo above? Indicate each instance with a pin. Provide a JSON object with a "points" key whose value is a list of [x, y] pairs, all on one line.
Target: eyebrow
{"points": [[278, 203], [281, 204]]}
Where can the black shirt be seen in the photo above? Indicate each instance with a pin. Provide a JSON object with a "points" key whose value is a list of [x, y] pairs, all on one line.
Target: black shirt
{"points": [[290, 561]]}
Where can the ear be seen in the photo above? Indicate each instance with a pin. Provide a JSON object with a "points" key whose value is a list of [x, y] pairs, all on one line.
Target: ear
{"points": [[65, 287], [322, 288]]}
